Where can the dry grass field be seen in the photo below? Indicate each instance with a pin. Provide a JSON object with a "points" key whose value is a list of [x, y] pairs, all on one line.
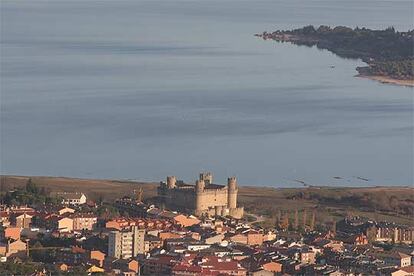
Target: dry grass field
{"points": [[94, 188]]}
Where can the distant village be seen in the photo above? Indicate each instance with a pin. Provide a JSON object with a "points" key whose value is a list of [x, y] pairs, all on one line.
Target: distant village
{"points": [[191, 229]]}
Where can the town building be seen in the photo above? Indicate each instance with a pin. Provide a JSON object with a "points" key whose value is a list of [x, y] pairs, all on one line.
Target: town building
{"points": [[203, 198], [127, 243], [12, 248], [72, 198], [84, 221], [65, 210], [64, 224], [24, 220], [11, 233]]}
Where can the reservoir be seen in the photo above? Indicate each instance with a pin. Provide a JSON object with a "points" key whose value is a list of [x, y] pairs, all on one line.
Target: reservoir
{"points": [[135, 89]]}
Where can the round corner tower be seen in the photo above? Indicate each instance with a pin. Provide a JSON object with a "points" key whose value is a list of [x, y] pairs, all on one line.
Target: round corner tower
{"points": [[232, 192], [199, 189], [200, 185], [171, 182]]}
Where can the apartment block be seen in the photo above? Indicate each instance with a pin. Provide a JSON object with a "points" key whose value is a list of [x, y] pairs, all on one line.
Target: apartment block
{"points": [[127, 243]]}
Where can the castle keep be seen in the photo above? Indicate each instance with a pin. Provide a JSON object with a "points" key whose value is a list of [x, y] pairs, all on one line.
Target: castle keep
{"points": [[203, 198]]}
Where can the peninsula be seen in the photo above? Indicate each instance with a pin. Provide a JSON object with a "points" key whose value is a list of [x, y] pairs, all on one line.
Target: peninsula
{"points": [[388, 53]]}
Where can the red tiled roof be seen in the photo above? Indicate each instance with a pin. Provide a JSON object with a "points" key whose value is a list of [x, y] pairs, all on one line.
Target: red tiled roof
{"points": [[187, 268], [162, 259], [408, 269]]}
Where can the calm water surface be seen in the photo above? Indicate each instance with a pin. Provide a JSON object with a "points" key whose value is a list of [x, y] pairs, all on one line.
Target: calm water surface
{"points": [[144, 89]]}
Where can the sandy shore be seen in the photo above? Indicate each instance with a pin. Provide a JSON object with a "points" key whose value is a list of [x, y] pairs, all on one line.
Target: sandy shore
{"points": [[383, 79]]}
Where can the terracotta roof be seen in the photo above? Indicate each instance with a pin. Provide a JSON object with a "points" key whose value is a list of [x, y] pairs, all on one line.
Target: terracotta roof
{"points": [[187, 268], [408, 269], [162, 259]]}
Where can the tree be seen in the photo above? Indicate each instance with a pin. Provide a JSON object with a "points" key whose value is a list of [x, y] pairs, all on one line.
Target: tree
{"points": [[296, 219], [31, 187], [304, 218], [312, 223], [285, 222]]}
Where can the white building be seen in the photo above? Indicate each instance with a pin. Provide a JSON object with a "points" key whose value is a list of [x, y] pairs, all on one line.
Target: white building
{"points": [[73, 198]]}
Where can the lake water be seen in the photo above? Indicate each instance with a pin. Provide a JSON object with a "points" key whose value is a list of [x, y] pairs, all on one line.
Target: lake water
{"points": [[144, 89]]}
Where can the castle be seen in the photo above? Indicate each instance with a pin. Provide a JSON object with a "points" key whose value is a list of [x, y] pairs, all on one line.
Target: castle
{"points": [[203, 198]]}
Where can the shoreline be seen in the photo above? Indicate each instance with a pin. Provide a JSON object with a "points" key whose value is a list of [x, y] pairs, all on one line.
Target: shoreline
{"points": [[388, 80], [4, 178], [394, 68]]}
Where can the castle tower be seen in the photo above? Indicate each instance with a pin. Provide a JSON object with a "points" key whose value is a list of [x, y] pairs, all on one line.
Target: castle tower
{"points": [[232, 192], [199, 189], [207, 177], [200, 185], [171, 182]]}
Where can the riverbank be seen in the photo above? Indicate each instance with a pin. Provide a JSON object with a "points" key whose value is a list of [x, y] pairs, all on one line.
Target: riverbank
{"points": [[388, 80]]}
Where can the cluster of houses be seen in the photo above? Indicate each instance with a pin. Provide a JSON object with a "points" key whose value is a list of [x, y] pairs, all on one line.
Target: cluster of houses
{"points": [[152, 241]]}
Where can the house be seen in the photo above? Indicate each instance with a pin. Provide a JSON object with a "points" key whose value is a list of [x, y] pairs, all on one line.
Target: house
{"points": [[98, 256], [207, 265], [4, 218], [404, 271], [83, 221], [254, 238], [239, 238], [24, 220], [151, 242], [71, 256], [95, 269], [214, 239], [249, 237], [261, 272], [65, 210], [396, 258], [186, 270], [307, 256], [169, 235], [159, 265], [65, 224], [12, 233], [126, 265], [16, 248], [272, 266], [148, 224], [72, 198], [185, 221]]}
